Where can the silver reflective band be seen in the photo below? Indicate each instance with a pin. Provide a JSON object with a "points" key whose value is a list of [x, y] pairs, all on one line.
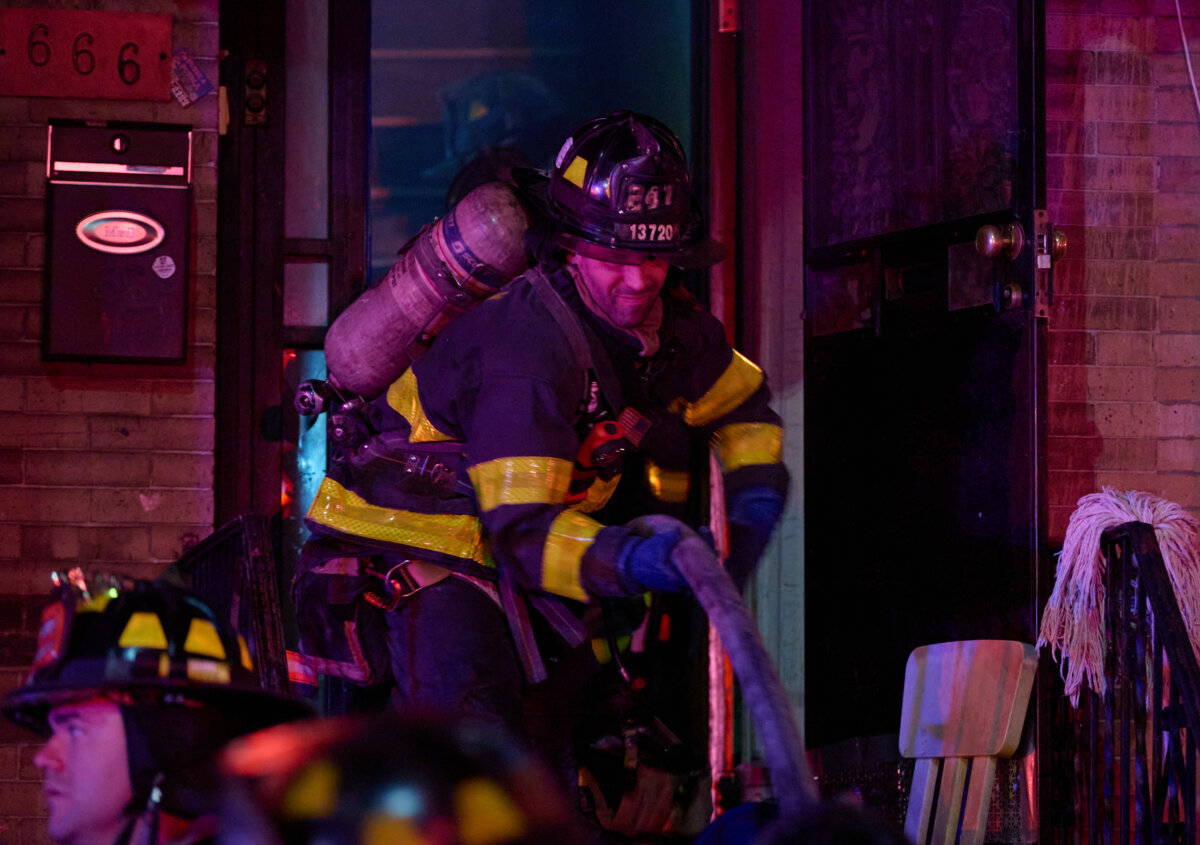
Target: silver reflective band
{"points": [[102, 167]]}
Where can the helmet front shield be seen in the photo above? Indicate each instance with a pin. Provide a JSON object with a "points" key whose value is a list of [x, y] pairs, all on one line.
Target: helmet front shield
{"points": [[620, 191]]}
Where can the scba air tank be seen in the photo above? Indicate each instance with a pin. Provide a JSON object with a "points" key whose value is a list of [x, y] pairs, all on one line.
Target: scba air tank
{"points": [[451, 265]]}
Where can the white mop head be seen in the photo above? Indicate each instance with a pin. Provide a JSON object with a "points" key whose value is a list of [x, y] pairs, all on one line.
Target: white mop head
{"points": [[1073, 619]]}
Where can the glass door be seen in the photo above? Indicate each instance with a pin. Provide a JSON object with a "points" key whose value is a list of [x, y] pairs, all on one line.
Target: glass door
{"points": [[461, 89]]}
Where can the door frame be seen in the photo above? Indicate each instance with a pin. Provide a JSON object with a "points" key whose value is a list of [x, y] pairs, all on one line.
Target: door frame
{"points": [[1035, 281], [768, 296], [252, 249]]}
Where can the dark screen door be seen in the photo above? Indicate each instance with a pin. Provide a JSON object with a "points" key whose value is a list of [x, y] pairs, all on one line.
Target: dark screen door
{"points": [[927, 278]]}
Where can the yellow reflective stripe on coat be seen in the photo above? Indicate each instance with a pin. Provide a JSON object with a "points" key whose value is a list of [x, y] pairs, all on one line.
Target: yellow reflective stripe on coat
{"points": [[737, 384], [343, 510], [521, 481], [667, 485], [748, 444], [598, 494], [571, 534], [402, 397]]}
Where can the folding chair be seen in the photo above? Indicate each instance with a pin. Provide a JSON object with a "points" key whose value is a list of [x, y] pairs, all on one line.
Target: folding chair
{"points": [[964, 707]]}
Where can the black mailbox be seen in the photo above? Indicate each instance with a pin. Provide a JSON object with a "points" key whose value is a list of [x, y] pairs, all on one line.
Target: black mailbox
{"points": [[119, 212]]}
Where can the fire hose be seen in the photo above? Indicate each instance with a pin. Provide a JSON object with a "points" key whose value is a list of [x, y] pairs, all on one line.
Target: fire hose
{"points": [[762, 690]]}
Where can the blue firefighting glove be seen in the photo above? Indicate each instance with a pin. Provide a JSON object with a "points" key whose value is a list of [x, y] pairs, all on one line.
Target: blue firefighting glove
{"points": [[753, 514], [645, 560]]}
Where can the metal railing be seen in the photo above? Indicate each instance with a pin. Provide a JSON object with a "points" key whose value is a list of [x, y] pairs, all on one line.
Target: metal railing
{"points": [[1134, 760], [233, 570]]}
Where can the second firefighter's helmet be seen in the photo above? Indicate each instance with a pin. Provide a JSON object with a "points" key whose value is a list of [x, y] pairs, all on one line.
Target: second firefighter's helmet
{"points": [[414, 779], [114, 634], [620, 191]]}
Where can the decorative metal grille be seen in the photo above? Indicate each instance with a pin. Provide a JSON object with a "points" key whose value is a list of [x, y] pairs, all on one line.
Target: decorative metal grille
{"points": [[233, 570], [1130, 776]]}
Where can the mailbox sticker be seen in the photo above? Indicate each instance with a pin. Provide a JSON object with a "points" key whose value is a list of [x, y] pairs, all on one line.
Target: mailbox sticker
{"points": [[120, 232], [163, 266]]}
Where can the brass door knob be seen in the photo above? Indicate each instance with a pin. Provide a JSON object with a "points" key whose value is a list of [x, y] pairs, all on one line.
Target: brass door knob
{"points": [[1059, 249], [1000, 241]]}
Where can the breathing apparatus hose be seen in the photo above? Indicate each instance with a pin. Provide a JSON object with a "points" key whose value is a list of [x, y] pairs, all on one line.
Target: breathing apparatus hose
{"points": [[762, 690]]}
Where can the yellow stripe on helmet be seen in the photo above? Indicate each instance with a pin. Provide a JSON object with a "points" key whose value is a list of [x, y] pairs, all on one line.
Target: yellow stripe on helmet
{"points": [[487, 814], [748, 444], [737, 384], [203, 640], [571, 534], [244, 653], [576, 171], [521, 481], [143, 630], [343, 510], [95, 603], [313, 793], [378, 828], [403, 398]]}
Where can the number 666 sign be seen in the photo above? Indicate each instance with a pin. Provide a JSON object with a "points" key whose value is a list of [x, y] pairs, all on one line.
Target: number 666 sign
{"points": [[106, 55]]}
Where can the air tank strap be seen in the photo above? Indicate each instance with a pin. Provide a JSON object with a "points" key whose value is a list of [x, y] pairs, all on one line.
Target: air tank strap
{"points": [[480, 279], [442, 278], [562, 622], [579, 339]]}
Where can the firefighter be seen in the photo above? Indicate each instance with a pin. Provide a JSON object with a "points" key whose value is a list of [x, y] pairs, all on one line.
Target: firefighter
{"points": [[363, 780], [513, 459], [135, 684]]}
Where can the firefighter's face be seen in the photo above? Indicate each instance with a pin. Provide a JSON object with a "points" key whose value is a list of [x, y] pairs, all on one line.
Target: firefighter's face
{"points": [[623, 294], [86, 773]]}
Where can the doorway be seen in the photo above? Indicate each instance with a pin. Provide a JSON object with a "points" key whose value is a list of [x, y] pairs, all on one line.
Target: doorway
{"points": [[347, 124], [924, 359]]}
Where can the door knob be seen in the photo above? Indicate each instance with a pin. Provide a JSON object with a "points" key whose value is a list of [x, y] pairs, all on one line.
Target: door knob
{"points": [[996, 241], [1059, 249]]}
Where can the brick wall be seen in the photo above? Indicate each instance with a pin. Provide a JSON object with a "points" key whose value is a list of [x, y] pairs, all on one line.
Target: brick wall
{"points": [[1123, 178], [110, 464]]}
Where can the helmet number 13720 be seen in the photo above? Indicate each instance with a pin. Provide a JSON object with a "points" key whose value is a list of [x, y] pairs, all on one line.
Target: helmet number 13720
{"points": [[652, 232]]}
